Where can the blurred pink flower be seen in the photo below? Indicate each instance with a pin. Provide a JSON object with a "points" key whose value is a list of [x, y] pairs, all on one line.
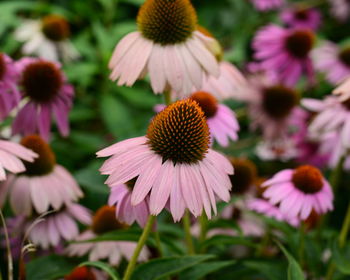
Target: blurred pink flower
{"points": [[265, 5], [299, 191], [340, 9], [172, 162], [333, 61], [9, 93], [48, 93], [343, 90], [301, 17], [285, 52]]}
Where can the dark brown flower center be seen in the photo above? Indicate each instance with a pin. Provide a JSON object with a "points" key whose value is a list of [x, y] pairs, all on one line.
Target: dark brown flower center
{"points": [[180, 133], [167, 21], [105, 220], [131, 183], [2, 66], [207, 102], [42, 81], [301, 14], [308, 179], [236, 214], [279, 101], [244, 175], [344, 56], [81, 273], [55, 28], [346, 104], [300, 43], [46, 159]]}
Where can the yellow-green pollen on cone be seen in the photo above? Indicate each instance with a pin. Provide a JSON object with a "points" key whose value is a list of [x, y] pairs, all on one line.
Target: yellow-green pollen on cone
{"points": [[167, 22]]}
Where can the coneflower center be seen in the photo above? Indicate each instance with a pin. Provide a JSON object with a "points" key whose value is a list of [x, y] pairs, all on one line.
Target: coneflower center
{"points": [[278, 101], [300, 43], [244, 175], [81, 273], [42, 81], [301, 14], [46, 160], [55, 28], [207, 102], [308, 179], [167, 21], [2, 66], [105, 220], [344, 56], [346, 104], [180, 133]]}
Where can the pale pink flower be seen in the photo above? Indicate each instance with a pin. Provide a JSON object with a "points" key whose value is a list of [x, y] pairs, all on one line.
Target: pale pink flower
{"points": [[103, 222], [43, 186], [9, 93], [343, 90], [283, 149], [340, 9], [47, 93], [333, 116], [299, 191], [120, 197], [301, 17], [265, 5], [263, 206], [167, 46], [333, 61], [173, 163], [285, 52]]}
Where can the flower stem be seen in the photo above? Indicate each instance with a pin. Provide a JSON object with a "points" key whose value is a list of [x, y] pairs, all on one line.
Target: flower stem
{"points": [[302, 243], [167, 97], [341, 241], [203, 220], [188, 235], [147, 229], [159, 243], [336, 174], [7, 240]]}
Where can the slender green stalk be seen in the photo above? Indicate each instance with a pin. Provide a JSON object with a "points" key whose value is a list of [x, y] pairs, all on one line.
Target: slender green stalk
{"points": [[301, 252], [158, 243], [188, 236], [8, 246], [140, 244], [203, 220], [336, 174], [263, 244], [167, 97]]}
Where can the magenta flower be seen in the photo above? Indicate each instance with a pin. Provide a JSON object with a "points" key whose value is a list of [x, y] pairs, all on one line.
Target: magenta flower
{"points": [[265, 5], [301, 17], [120, 197], [167, 46], [9, 93], [340, 9], [285, 52], [172, 163], [43, 186], [333, 61], [103, 222], [47, 92], [299, 191], [263, 206]]}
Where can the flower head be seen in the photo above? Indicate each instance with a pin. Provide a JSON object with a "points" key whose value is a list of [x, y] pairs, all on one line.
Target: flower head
{"points": [[300, 191], [244, 176], [301, 17], [265, 5], [340, 9], [167, 46], [173, 162], [285, 52], [47, 93]]}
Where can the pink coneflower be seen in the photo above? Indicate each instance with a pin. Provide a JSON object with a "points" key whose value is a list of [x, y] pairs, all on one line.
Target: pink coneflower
{"points": [[333, 116], [104, 221], [282, 149], [44, 185], [9, 93], [263, 206], [299, 191], [301, 17], [333, 61], [44, 86], [173, 163], [285, 52], [167, 46], [125, 212], [340, 9], [265, 5]]}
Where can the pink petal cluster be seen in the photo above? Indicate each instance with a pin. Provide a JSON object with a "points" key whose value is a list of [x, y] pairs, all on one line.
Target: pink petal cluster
{"points": [[301, 17], [265, 5]]}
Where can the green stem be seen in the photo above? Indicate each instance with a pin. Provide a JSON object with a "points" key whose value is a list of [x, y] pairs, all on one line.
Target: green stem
{"points": [[158, 243], [203, 220], [301, 243], [336, 174], [263, 244], [140, 244], [167, 97], [8, 246], [188, 236]]}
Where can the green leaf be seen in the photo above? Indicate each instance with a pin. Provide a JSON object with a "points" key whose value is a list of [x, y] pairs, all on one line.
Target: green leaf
{"points": [[200, 270], [341, 258], [232, 240], [294, 270], [131, 234], [105, 267], [160, 268], [273, 270], [91, 179], [49, 268]]}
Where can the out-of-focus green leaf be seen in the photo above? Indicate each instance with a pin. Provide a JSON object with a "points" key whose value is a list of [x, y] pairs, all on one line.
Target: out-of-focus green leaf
{"points": [[126, 235], [229, 240], [159, 268], [294, 270], [91, 178], [341, 258], [273, 270], [105, 267]]}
